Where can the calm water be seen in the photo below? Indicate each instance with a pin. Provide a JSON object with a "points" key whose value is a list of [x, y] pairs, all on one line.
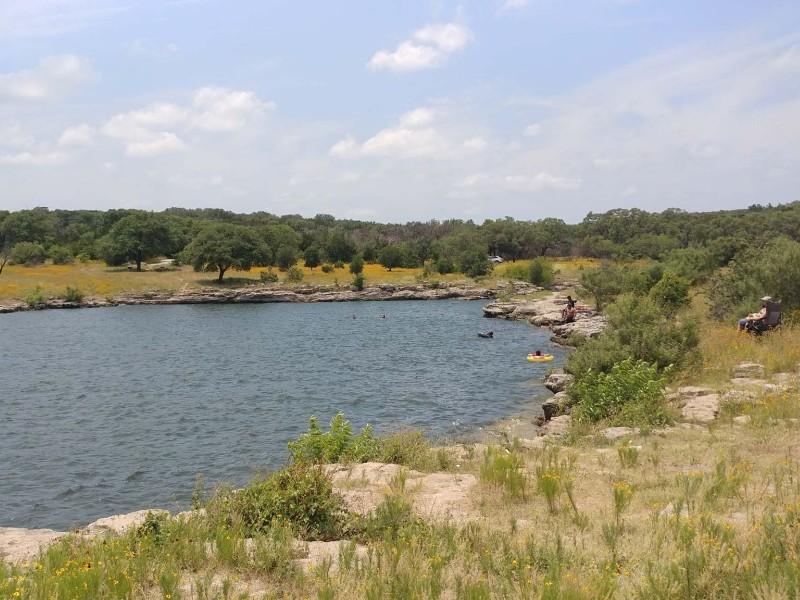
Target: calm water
{"points": [[108, 411]]}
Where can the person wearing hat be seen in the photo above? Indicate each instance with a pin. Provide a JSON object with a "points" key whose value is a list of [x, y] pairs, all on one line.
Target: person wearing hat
{"points": [[762, 314]]}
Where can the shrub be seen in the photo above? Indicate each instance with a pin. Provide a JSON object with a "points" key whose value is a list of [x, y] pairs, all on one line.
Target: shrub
{"points": [[294, 274], [285, 257], [28, 254], [269, 276], [407, 448], [357, 265], [61, 255], [541, 272], [301, 494], [318, 446], [671, 293], [83, 257], [604, 283], [631, 394], [358, 282], [328, 268], [37, 299], [72, 294], [339, 264], [445, 266]]}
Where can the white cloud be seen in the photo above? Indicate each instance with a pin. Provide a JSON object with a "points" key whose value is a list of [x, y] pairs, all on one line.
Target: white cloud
{"points": [[513, 5], [81, 135], [428, 48], [163, 143], [532, 130], [221, 109], [417, 117], [346, 148], [402, 142], [14, 136], [54, 77], [28, 158]]}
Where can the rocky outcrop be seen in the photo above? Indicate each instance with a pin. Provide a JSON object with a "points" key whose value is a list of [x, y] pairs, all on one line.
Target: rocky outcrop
{"points": [[268, 293], [557, 382], [748, 371]]}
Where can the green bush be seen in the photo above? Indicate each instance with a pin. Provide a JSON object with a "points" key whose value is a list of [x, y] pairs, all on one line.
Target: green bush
{"points": [[72, 294], [406, 448], [294, 274], [328, 268], [61, 255], [339, 264], [445, 266], [358, 282], [301, 494], [631, 394], [671, 293], [339, 443], [28, 254], [638, 328], [541, 272], [37, 299], [269, 276], [357, 265]]}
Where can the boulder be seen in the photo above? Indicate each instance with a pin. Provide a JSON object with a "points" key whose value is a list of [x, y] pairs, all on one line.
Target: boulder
{"points": [[701, 409], [556, 405], [748, 370], [121, 523], [557, 382], [498, 309], [613, 433], [557, 426]]}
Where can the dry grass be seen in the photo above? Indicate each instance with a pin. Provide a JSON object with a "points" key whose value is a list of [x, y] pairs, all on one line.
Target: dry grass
{"points": [[96, 279]]}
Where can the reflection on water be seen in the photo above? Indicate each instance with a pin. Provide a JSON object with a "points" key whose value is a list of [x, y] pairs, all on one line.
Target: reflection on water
{"points": [[112, 410]]}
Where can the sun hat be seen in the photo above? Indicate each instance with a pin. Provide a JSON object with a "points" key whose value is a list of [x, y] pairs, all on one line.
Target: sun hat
{"points": [[765, 298]]}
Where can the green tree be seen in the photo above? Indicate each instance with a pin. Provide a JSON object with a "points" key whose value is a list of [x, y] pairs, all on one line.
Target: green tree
{"points": [[286, 257], [223, 246], [61, 255], [357, 265], [541, 272], [138, 237], [473, 262], [604, 283], [671, 293], [390, 257], [339, 247], [312, 257], [28, 254]]}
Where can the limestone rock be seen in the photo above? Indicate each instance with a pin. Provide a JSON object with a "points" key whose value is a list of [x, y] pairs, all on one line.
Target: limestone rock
{"points": [[750, 370], [742, 420], [18, 545], [739, 397], [557, 405], [557, 382], [702, 409], [613, 433], [557, 426], [120, 523]]}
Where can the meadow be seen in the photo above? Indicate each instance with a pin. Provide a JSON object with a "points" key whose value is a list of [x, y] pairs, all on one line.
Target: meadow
{"points": [[94, 278]]}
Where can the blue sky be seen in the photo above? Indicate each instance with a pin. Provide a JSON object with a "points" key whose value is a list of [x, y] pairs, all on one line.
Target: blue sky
{"points": [[399, 111]]}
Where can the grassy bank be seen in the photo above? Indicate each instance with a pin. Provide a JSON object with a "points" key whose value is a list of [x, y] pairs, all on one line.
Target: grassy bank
{"points": [[693, 512], [96, 279]]}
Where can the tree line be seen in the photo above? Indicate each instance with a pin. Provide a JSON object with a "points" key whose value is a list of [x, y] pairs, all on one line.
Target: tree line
{"points": [[218, 240]]}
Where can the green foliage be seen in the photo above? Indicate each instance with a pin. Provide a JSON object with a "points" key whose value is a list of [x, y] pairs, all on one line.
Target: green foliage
{"points": [[505, 470], [773, 270], [301, 494], [294, 274], [61, 255], [541, 272], [358, 282], [328, 268], [390, 257], [405, 448], [140, 236], [285, 257], [312, 257], [223, 246], [269, 276], [472, 262], [338, 443], [637, 328], [631, 394], [671, 293], [603, 283], [445, 266], [28, 254], [37, 299], [357, 265], [72, 294]]}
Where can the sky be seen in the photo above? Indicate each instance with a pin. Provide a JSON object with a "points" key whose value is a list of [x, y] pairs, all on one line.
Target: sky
{"points": [[397, 111]]}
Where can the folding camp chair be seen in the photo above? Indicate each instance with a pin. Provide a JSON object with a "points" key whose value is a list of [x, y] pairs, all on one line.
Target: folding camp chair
{"points": [[770, 322]]}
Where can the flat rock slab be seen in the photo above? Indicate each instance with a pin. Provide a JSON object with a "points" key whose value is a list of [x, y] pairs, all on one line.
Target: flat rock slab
{"points": [[557, 426], [435, 495], [754, 370], [120, 523], [557, 382], [613, 433], [701, 409], [18, 545]]}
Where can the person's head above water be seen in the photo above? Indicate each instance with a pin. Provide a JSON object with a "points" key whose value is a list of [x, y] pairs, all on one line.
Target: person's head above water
{"points": [[538, 353]]}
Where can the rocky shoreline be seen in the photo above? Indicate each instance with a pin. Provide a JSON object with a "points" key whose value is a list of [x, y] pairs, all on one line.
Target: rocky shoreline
{"points": [[257, 294]]}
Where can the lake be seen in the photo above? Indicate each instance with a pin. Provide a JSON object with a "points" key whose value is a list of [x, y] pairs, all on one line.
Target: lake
{"points": [[106, 411]]}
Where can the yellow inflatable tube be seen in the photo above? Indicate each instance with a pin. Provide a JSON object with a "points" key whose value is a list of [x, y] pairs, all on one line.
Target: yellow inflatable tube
{"points": [[540, 357]]}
